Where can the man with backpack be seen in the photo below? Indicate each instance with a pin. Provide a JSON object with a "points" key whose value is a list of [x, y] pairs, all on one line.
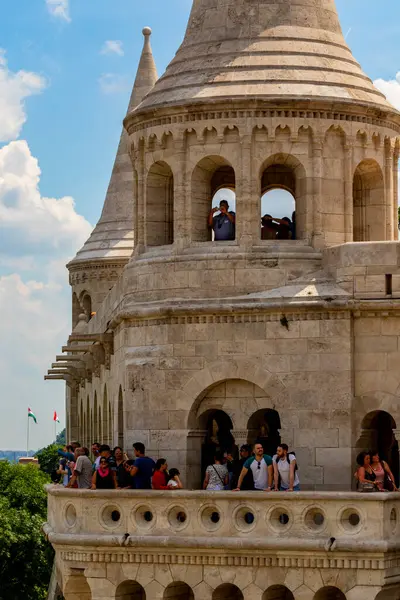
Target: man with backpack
{"points": [[261, 467], [286, 478]]}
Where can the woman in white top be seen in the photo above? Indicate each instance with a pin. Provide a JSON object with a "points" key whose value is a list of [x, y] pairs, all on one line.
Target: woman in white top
{"points": [[217, 477], [174, 480]]}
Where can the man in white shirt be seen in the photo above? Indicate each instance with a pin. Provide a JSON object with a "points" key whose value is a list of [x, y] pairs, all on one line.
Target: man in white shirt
{"points": [[285, 469], [261, 466]]}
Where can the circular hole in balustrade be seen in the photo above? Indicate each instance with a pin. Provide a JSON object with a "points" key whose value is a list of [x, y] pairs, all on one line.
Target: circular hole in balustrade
{"points": [[280, 519], [70, 515], [177, 518], [314, 519], [350, 520], [244, 518], [393, 519], [143, 516], [211, 518], [111, 516]]}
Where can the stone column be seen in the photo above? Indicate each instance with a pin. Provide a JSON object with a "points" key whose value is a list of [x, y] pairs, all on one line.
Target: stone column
{"points": [[247, 204], [240, 436], [140, 212], [348, 193], [389, 180], [181, 222], [195, 439], [317, 233], [72, 432], [395, 193]]}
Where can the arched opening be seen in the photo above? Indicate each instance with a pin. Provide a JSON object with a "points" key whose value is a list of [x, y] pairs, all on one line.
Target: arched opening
{"points": [[377, 434], [87, 305], [105, 439], [77, 588], [130, 590], [283, 196], [95, 420], [263, 427], [121, 418], [329, 593], [178, 591], [159, 216], [212, 177], [218, 426], [76, 310], [277, 592], [368, 203], [227, 591]]}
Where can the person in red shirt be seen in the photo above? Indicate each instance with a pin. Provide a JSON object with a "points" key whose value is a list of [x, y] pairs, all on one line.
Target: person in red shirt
{"points": [[159, 479]]}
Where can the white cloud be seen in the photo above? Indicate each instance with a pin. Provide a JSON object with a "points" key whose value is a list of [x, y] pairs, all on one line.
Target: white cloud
{"points": [[14, 88], [59, 9], [111, 83], [113, 47], [391, 89]]}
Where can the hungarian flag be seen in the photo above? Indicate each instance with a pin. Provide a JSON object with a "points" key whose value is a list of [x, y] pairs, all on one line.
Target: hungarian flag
{"points": [[31, 414], [55, 417]]}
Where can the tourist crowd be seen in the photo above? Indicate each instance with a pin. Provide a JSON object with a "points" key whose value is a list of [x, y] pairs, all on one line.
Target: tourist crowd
{"points": [[253, 470]]}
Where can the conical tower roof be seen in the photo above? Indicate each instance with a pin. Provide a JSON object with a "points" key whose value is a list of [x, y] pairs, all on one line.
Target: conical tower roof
{"points": [[112, 238], [268, 50]]}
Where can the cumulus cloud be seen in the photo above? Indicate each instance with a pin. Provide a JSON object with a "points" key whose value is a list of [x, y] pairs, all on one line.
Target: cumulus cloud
{"points": [[113, 47], [391, 89], [32, 218], [111, 83], [59, 9], [14, 89]]}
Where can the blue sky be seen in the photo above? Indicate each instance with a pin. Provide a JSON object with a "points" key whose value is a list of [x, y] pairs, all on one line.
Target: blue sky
{"points": [[63, 93]]}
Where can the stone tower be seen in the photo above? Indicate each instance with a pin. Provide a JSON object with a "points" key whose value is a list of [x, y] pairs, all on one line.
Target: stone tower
{"points": [[198, 344]]}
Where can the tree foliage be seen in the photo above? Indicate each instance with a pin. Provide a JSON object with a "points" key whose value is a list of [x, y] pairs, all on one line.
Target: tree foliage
{"points": [[25, 556], [48, 458], [61, 439]]}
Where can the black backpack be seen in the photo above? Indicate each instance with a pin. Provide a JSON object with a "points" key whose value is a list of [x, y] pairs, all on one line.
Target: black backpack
{"points": [[287, 458]]}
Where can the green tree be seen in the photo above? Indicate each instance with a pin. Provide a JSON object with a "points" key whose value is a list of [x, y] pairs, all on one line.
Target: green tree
{"points": [[48, 458], [25, 556], [61, 439]]}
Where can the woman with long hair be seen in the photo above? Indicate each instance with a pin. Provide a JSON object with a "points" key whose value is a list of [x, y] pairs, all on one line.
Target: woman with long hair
{"points": [[364, 474], [159, 479], [174, 480], [383, 475], [104, 478], [217, 477]]}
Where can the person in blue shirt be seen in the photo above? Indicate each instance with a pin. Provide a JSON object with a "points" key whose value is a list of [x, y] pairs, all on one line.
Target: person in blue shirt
{"points": [[223, 224], [143, 468]]}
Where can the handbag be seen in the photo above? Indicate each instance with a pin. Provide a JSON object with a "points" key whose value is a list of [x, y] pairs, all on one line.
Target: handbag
{"points": [[366, 487], [219, 476], [387, 482]]}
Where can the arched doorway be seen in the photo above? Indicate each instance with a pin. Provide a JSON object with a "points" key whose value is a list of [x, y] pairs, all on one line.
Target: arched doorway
{"points": [[329, 593], [178, 591], [277, 592], [227, 591], [218, 426], [368, 202], [210, 176], [263, 427], [159, 215], [120, 418], [377, 435], [130, 590], [283, 187]]}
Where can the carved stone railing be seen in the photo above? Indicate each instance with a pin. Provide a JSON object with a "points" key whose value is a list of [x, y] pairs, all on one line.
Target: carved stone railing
{"points": [[321, 522]]}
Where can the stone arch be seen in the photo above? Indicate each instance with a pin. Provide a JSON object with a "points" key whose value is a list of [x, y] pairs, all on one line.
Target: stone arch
{"points": [[211, 174], [86, 303], [286, 172], [130, 590], [263, 427], [227, 591], [236, 369], [277, 592], [368, 202], [159, 213], [120, 419], [178, 590], [329, 592], [377, 433], [77, 588]]}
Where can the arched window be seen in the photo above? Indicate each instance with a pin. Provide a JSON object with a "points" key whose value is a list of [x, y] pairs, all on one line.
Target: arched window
{"points": [[227, 591], [159, 214], [178, 591], [87, 305], [282, 190], [212, 178], [277, 592], [130, 590], [329, 592], [368, 203]]}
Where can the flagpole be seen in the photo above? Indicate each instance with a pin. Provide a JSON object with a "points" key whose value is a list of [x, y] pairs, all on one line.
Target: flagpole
{"points": [[27, 438]]}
